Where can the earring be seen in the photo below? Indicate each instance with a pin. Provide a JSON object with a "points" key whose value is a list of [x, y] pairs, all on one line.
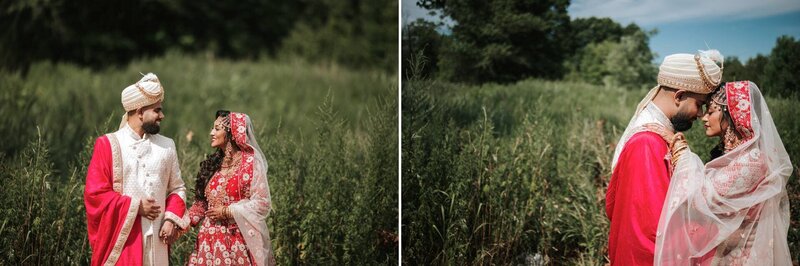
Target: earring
{"points": [[730, 139], [228, 149]]}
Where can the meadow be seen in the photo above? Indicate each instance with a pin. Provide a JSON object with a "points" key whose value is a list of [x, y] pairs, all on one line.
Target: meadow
{"points": [[329, 134], [517, 173]]}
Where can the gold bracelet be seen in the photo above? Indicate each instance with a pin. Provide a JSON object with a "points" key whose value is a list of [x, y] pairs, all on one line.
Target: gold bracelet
{"points": [[677, 153]]}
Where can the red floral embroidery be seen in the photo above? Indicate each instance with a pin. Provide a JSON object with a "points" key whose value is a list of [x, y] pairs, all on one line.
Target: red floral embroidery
{"points": [[739, 106], [222, 242]]}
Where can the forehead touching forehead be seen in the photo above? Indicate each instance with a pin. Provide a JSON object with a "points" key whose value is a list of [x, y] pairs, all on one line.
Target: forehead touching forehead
{"points": [[700, 98]]}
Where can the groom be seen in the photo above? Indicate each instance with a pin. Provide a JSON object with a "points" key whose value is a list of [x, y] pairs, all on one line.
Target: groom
{"points": [[641, 166], [135, 197]]}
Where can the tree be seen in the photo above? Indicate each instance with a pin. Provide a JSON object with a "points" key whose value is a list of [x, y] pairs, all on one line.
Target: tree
{"points": [[357, 33], [590, 30], [421, 37], [612, 56], [781, 70], [755, 68], [503, 40], [733, 69], [630, 64], [752, 70]]}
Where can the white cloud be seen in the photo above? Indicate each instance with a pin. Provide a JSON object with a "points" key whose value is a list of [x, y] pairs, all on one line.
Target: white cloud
{"points": [[652, 12]]}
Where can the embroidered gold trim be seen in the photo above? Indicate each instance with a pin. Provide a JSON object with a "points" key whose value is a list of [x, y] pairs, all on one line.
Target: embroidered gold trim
{"points": [[682, 85], [123, 234], [116, 158], [183, 223], [704, 76], [151, 96], [130, 218]]}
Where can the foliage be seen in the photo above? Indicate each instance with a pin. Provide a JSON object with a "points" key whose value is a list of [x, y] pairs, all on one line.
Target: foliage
{"points": [[333, 167], [39, 230], [503, 41], [354, 33], [752, 70], [781, 70], [623, 63], [421, 36], [97, 34], [517, 174], [511, 40], [774, 73], [596, 30]]}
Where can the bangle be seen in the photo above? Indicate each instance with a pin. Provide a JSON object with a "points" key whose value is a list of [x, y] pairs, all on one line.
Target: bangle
{"points": [[677, 150]]}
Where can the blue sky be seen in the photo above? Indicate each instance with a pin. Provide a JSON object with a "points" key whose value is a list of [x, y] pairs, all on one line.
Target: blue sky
{"points": [[741, 28]]}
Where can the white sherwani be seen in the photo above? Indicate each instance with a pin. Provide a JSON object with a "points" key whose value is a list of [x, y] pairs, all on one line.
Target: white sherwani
{"points": [[150, 168]]}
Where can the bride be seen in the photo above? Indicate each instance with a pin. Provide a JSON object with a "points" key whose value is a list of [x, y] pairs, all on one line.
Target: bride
{"points": [[734, 210]]}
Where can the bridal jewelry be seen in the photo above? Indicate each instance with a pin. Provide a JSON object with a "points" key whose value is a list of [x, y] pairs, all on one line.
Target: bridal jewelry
{"points": [[730, 140]]}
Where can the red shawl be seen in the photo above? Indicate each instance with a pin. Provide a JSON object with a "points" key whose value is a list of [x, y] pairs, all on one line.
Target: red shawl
{"points": [[635, 197]]}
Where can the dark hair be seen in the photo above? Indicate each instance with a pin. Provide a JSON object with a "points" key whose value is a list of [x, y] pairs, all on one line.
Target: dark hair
{"points": [[720, 95], [211, 164]]}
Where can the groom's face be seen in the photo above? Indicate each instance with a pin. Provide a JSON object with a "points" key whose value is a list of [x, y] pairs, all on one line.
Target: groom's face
{"points": [[151, 118], [690, 108]]}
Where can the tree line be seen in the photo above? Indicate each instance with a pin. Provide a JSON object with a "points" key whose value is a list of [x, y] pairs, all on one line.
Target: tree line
{"points": [[358, 33], [505, 41]]}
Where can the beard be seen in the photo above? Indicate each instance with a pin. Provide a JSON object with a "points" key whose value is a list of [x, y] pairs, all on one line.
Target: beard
{"points": [[151, 127], [681, 121]]}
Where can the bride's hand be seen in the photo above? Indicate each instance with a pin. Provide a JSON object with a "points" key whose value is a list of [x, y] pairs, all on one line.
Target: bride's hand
{"points": [[216, 213]]}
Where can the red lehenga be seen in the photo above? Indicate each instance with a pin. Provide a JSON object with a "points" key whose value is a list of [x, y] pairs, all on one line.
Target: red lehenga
{"points": [[220, 242], [243, 239]]}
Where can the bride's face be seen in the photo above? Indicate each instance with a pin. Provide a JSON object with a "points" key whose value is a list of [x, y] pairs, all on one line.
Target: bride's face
{"points": [[712, 120], [218, 138]]}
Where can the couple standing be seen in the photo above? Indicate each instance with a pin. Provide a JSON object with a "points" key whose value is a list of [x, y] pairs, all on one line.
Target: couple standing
{"points": [[134, 172], [668, 208]]}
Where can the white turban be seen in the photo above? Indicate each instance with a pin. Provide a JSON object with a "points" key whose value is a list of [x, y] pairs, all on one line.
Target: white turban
{"points": [[696, 73], [146, 91]]}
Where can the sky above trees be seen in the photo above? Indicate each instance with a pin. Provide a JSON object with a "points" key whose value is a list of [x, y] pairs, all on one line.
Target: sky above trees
{"points": [[738, 28]]}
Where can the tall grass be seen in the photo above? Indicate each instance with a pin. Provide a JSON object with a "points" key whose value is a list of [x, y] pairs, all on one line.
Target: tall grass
{"points": [[517, 174], [326, 132]]}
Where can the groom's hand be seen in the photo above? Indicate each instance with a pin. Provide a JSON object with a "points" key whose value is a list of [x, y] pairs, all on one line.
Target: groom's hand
{"points": [[149, 209], [168, 234]]}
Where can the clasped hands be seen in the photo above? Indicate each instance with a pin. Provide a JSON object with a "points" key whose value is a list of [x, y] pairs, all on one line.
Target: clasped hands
{"points": [[168, 233]]}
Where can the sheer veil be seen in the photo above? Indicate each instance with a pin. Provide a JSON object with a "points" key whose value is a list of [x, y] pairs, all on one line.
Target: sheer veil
{"points": [[733, 210], [251, 212]]}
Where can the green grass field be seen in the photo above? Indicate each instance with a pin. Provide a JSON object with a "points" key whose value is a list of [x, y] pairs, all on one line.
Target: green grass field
{"points": [[329, 135], [517, 174]]}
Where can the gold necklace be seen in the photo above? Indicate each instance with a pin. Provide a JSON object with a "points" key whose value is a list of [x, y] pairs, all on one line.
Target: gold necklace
{"points": [[232, 162]]}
